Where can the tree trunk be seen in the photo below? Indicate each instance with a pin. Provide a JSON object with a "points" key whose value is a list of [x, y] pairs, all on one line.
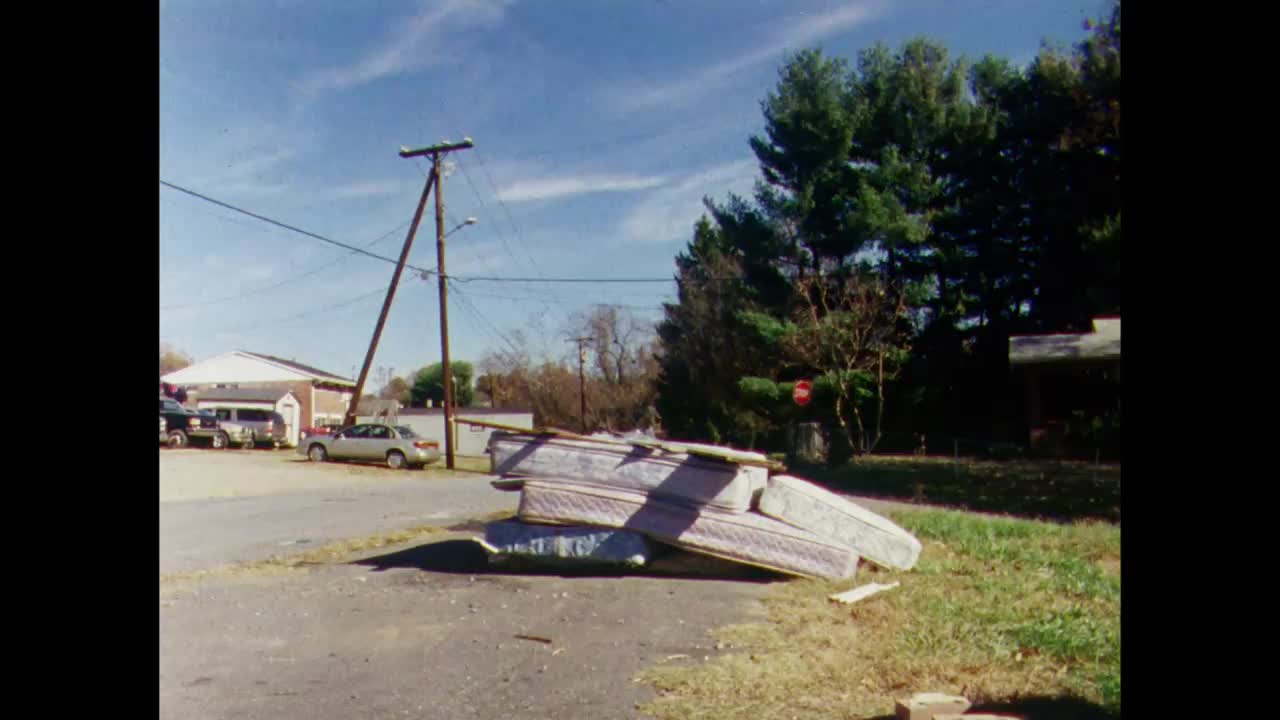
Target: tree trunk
{"points": [[861, 447], [844, 424], [875, 439]]}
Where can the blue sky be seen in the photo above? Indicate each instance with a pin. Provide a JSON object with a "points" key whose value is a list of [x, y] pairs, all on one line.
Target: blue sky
{"points": [[599, 126]]}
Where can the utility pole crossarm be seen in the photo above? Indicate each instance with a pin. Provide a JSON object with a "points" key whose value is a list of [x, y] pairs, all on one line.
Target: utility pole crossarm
{"points": [[436, 149]]}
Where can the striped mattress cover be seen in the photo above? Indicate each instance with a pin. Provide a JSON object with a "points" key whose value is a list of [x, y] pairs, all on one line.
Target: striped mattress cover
{"points": [[677, 477], [803, 504], [747, 538]]}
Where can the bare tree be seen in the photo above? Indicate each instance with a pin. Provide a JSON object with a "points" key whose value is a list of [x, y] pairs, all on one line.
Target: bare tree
{"points": [[620, 383], [622, 389], [172, 359]]}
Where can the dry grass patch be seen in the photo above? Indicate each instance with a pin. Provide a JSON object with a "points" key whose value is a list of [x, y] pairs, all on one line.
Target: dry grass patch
{"points": [[461, 464], [996, 610]]}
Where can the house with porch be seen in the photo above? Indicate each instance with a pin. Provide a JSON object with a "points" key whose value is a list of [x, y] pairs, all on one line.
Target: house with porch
{"points": [[1067, 373]]}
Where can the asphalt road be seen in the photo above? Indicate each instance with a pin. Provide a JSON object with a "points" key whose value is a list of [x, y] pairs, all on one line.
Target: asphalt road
{"points": [[422, 630], [433, 634], [218, 508]]}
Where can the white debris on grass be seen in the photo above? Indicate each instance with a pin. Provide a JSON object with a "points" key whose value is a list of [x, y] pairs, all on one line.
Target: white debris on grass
{"points": [[861, 592]]}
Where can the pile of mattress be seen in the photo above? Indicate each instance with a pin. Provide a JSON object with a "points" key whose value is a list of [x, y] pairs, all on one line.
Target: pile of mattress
{"points": [[605, 500]]}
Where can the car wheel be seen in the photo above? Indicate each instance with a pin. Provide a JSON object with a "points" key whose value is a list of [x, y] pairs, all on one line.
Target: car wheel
{"points": [[395, 460], [317, 453], [177, 439], [221, 441]]}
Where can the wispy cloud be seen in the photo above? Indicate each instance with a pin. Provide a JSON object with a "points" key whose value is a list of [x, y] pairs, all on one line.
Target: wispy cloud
{"points": [[259, 272], [414, 43], [670, 213], [368, 188], [549, 188], [477, 258], [246, 169], [793, 35]]}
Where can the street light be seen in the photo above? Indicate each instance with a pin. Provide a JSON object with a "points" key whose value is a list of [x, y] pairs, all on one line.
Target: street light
{"points": [[464, 223], [426, 274]]}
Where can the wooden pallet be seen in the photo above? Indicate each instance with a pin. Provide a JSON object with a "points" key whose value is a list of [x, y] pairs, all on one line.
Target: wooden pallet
{"points": [[713, 452]]}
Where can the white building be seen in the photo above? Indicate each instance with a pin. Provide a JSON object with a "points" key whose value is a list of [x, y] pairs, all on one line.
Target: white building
{"points": [[468, 440], [317, 396]]}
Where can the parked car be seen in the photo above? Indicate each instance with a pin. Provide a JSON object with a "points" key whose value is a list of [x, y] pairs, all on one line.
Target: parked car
{"points": [[399, 446], [185, 425], [236, 433], [322, 429], [164, 430], [266, 426]]}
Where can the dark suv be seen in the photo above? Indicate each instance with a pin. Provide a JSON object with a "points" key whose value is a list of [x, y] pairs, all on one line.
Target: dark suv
{"points": [[185, 425]]}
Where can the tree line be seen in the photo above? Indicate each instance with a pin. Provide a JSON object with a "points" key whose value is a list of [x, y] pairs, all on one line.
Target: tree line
{"points": [[915, 211]]}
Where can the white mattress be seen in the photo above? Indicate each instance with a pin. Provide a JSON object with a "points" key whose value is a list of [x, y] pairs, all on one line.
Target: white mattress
{"points": [[743, 537], [803, 504], [567, 545], [677, 477]]}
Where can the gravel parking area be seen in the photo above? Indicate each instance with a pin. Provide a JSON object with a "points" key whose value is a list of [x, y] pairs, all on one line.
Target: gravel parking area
{"points": [[195, 473], [232, 506]]}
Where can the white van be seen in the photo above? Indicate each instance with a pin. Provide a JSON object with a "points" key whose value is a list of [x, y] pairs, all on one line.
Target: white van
{"points": [[268, 426]]}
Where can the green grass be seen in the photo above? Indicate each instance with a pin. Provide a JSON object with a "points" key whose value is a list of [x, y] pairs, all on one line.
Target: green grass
{"points": [[1039, 489], [999, 610]]}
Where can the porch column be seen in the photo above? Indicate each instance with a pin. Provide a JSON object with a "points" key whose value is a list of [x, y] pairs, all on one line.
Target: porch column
{"points": [[1032, 377]]}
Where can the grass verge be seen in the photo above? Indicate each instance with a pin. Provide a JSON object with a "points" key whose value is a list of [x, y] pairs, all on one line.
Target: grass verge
{"points": [[1000, 610]]}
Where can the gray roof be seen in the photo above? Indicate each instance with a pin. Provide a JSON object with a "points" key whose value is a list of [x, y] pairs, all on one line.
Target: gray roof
{"points": [[1101, 344], [271, 395], [464, 411], [303, 368]]}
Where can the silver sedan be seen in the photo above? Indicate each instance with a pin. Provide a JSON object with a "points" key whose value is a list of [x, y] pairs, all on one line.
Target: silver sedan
{"points": [[399, 446]]}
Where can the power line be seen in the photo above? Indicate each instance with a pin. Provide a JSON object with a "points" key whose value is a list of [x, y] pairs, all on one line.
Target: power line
{"points": [[655, 307], [426, 271], [286, 226], [502, 234], [566, 279], [484, 321], [511, 219], [308, 313], [295, 278]]}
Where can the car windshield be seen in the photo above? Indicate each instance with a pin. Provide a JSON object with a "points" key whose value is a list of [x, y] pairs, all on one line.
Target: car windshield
{"points": [[406, 432]]}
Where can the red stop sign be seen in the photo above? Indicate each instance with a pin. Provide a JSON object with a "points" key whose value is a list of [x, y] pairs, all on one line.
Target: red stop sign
{"points": [[802, 392]]}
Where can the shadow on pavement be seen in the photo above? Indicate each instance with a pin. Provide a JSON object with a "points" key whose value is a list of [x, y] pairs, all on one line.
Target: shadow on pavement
{"points": [[469, 557]]}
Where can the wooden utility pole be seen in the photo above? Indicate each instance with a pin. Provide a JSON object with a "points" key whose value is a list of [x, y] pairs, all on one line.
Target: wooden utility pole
{"points": [[582, 378], [435, 151], [350, 418]]}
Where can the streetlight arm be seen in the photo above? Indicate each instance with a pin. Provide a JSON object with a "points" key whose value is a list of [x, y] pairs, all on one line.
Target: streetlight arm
{"points": [[459, 226]]}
